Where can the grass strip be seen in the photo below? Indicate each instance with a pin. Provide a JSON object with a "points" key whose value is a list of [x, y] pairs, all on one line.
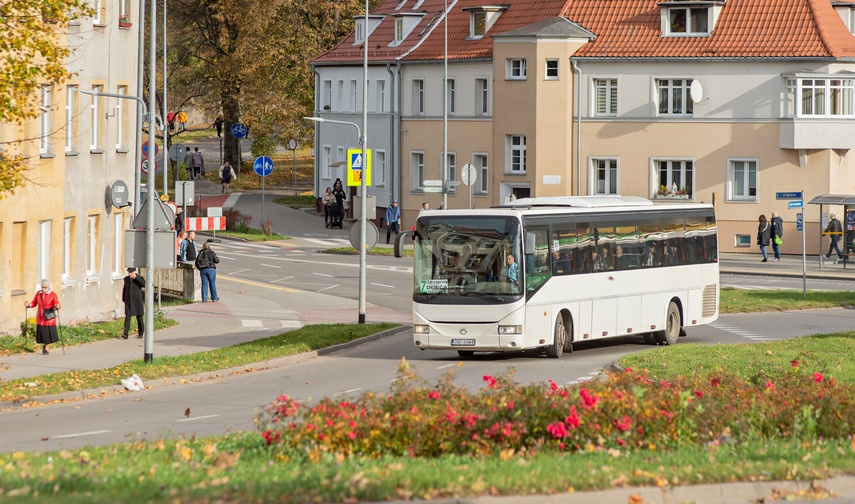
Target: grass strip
{"points": [[752, 301], [252, 234], [305, 339], [378, 251], [296, 202]]}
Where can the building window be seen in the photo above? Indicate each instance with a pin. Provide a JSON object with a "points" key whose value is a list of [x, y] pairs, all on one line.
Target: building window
{"points": [[98, 16], [605, 176], [44, 120], [91, 245], [606, 93], [340, 158], [478, 24], [418, 97], [326, 160], [516, 154], [417, 171], [20, 254], [380, 106], [70, 118], [326, 95], [451, 95], [688, 20], [742, 240], [482, 183], [482, 97], [674, 179], [44, 249], [67, 241], [379, 169], [674, 97], [551, 69], [515, 69], [359, 33], [118, 233], [125, 11], [826, 97], [121, 141], [742, 179], [399, 30], [340, 96], [95, 119], [354, 97], [451, 167]]}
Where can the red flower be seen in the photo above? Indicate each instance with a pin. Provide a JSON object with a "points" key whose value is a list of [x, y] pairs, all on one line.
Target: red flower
{"points": [[715, 382], [434, 394], [351, 435], [794, 363], [621, 442], [623, 425], [817, 377], [511, 405], [553, 386], [770, 386], [628, 370], [491, 382], [557, 429], [588, 400], [699, 393], [572, 419]]}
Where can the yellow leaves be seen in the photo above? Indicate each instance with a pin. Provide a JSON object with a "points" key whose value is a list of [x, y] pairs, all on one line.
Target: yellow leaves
{"points": [[84, 456], [19, 455], [507, 454]]}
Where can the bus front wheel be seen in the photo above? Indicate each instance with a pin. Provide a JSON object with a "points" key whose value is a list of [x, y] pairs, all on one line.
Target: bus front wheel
{"points": [[559, 338], [672, 326]]}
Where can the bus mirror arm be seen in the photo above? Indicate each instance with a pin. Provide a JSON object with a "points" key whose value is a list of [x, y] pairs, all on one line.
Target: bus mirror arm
{"points": [[399, 242]]}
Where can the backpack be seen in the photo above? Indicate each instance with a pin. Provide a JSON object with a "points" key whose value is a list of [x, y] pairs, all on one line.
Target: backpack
{"points": [[203, 260]]}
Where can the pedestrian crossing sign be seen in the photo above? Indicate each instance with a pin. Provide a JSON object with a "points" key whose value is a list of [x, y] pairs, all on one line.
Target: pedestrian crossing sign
{"points": [[355, 162]]}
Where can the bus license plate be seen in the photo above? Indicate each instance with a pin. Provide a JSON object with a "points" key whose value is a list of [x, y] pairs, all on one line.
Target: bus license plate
{"points": [[463, 342]]}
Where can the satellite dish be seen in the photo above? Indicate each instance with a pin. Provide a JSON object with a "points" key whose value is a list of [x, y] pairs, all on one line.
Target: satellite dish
{"points": [[696, 91]]}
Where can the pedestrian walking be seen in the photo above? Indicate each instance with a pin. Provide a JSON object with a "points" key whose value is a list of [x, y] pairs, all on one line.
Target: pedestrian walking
{"points": [[170, 120], [182, 120], [777, 235], [188, 249], [132, 296], [764, 236], [188, 163], [834, 230], [179, 220], [206, 263], [393, 219], [227, 174], [47, 303], [218, 123], [198, 163], [328, 200]]}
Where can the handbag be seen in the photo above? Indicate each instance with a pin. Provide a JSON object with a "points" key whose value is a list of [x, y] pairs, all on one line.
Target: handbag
{"points": [[49, 313], [778, 240]]}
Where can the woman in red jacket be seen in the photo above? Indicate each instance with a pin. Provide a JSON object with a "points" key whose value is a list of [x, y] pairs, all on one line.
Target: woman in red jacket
{"points": [[48, 306]]}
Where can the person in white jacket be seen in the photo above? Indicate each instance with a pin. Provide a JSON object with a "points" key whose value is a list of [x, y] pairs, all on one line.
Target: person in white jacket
{"points": [[227, 174]]}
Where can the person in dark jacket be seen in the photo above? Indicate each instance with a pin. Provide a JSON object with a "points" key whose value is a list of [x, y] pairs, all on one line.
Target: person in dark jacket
{"points": [[764, 236], [207, 265], [132, 296], [777, 232], [834, 230]]}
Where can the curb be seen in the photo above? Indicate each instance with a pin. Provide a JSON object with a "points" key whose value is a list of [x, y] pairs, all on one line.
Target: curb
{"points": [[783, 274], [108, 390]]}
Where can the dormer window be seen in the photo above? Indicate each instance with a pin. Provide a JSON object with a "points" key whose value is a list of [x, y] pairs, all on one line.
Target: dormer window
{"points": [[846, 11], [404, 24], [684, 18], [359, 27], [481, 19]]}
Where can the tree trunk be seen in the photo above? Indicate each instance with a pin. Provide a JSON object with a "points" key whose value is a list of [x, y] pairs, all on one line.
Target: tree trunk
{"points": [[231, 115]]}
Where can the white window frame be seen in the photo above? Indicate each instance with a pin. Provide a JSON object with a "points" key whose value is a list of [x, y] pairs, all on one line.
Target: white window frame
{"points": [[326, 160], [610, 168], [451, 167], [326, 95], [451, 89], [340, 157], [380, 105], [339, 106], [550, 69], [91, 245], [399, 30], [674, 96], [95, 118], [125, 9], [605, 96], [477, 24], [418, 97], [379, 168], [45, 92], [821, 96], [97, 18], [696, 21], [515, 69], [515, 149], [67, 230], [417, 171], [45, 251], [746, 169], [683, 166], [481, 162], [121, 141], [359, 31], [118, 240], [70, 118], [482, 96], [354, 96], [742, 240]]}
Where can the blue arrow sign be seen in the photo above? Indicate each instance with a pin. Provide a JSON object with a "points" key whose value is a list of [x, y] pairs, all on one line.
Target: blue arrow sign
{"points": [[789, 195], [263, 165], [238, 130], [796, 204]]}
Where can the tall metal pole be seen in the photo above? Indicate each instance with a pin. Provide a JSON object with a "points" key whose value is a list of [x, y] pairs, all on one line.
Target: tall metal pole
{"points": [[444, 164], [148, 352], [165, 107], [363, 141], [140, 111]]}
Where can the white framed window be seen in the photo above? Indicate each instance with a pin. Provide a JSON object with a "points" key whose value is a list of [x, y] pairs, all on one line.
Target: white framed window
{"points": [[359, 32], [820, 97], [482, 97], [354, 97], [674, 97], [44, 249], [67, 242], [687, 21], [121, 103], [91, 245], [742, 180], [604, 176], [515, 149], [742, 240], [339, 105], [125, 11], [95, 119], [551, 70], [451, 89], [418, 97], [605, 94], [482, 18], [515, 69], [478, 24], [379, 169], [482, 183], [70, 118], [98, 16], [326, 160], [417, 171], [326, 95], [674, 178], [118, 239], [399, 30], [340, 158], [451, 166], [380, 105], [44, 119]]}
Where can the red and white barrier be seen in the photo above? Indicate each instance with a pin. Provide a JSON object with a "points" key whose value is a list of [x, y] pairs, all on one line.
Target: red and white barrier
{"points": [[205, 223]]}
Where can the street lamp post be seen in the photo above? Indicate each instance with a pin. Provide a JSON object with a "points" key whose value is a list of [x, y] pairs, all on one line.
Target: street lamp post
{"points": [[363, 217]]}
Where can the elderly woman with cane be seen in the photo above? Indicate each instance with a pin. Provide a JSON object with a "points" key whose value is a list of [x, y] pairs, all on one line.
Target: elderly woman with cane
{"points": [[48, 307]]}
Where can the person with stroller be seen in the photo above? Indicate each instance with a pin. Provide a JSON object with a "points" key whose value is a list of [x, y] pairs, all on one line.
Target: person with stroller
{"points": [[328, 200]]}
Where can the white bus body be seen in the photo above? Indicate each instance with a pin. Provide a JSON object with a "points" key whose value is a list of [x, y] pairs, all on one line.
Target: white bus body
{"points": [[589, 267]]}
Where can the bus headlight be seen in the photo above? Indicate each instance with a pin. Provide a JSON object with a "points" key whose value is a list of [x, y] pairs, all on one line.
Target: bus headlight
{"points": [[421, 329], [510, 329]]}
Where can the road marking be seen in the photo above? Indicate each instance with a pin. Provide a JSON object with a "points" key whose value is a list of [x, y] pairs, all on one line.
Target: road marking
{"points": [[229, 258], [239, 271], [257, 284], [81, 434], [382, 285], [196, 418], [738, 331], [323, 274], [328, 288], [447, 366], [270, 266], [282, 279], [252, 323], [327, 243], [295, 324], [353, 390]]}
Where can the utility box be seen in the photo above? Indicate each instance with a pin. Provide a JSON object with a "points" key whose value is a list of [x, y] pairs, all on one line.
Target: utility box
{"points": [[370, 206], [164, 249]]}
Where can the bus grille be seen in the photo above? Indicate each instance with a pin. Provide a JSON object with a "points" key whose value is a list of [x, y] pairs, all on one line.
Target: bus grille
{"points": [[709, 307]]}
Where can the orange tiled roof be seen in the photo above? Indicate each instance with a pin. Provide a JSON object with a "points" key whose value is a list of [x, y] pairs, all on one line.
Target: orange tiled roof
{"points": [[745, 29]]}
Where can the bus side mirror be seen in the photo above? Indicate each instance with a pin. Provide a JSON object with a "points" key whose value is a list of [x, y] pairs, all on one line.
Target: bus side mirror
{"points": [[399, 243]]}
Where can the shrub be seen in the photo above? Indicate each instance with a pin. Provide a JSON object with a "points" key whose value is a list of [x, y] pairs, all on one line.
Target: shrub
{"points": [[267, 227], [235, 219]]}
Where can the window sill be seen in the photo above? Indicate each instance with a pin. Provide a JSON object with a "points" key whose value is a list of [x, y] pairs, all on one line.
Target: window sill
{"points": [[672, 197], [19, 292], [67, 282], [122, 150], [46, 155], [71, 153], [519, 173], [117, 276], [96, 151], [90, 279], [750, 201]]}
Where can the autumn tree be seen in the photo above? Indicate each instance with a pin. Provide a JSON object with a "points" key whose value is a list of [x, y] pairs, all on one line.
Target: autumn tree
{"points": [[32, 53]]}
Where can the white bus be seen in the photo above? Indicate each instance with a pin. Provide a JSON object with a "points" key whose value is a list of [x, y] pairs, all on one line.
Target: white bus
{"points": [[544, 273]]}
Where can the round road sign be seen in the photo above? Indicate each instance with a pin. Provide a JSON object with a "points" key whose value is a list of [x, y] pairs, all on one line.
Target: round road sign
{"points": [[468, 174], [263, 165], [238, 130], [292, 143], [144, 166], [371, 235]]}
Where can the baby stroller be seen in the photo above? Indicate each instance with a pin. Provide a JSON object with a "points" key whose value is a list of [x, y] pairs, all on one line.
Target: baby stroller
{"points": [[336, 217]]}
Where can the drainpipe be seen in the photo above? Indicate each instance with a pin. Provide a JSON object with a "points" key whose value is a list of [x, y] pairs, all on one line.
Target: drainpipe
{"points": [[398, 129], [578, 112], [392, 184], [317, 135]]}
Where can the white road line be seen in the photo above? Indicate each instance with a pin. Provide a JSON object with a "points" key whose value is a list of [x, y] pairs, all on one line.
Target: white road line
{"points": [[295, 324], [382, 285], [447, 366], [328, 288], [323, 243], [252, 323], [270, 266], [282, 279], [238, 271], [229, 258], [196, 418], [81, 434], [323, 274], [352, 390]]}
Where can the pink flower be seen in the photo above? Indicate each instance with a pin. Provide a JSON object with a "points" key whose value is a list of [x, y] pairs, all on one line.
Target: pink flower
{"points": [[491, 382], [699, 393], [621, 442], [433, 394], [572, 419], [770, 386], [511, 405], [628, 370], [817, 377], [588, 400], [715, 382], [557, 429], [553, 386], [351, 435], [665, 384], [623, 425]]}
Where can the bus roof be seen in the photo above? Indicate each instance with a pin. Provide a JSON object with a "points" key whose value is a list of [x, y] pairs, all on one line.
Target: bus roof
{"points": [[574, 205], [598, 201]]}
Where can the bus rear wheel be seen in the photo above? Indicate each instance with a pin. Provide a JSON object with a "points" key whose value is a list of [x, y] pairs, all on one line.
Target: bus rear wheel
{"points": [[672, 326], [559, 338]]}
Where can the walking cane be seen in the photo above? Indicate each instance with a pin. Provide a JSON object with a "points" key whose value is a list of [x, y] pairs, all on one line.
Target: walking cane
{"points": [[26, 324], [59, 329]]}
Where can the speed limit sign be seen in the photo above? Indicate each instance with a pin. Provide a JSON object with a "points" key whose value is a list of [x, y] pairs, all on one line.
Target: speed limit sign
{"points": [[144, 166], [292, 143]]}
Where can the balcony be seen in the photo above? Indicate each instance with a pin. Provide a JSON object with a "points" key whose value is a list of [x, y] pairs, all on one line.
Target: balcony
{"points": [[820, 133]]}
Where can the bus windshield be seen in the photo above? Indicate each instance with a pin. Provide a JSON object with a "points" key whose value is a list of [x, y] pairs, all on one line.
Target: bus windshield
{"points": [[467, 259]]}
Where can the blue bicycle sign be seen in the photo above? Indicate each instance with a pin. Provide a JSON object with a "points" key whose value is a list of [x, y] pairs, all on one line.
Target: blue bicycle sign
{"points": [[263, 165], [239, 130]]}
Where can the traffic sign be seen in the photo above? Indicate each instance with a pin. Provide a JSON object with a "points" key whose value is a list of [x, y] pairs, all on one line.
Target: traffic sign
{"points": [[239, 130], [292, 143], [176, 152], [432, 189], [144, 166], [796, 204], [789, 195], [432, 183], [355, 162], [468, 175], [145, 149], [799, 222], [263, 165]]}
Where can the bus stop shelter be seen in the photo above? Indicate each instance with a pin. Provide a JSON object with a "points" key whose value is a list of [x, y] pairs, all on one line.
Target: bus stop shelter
{"points": [[847, 220]]}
